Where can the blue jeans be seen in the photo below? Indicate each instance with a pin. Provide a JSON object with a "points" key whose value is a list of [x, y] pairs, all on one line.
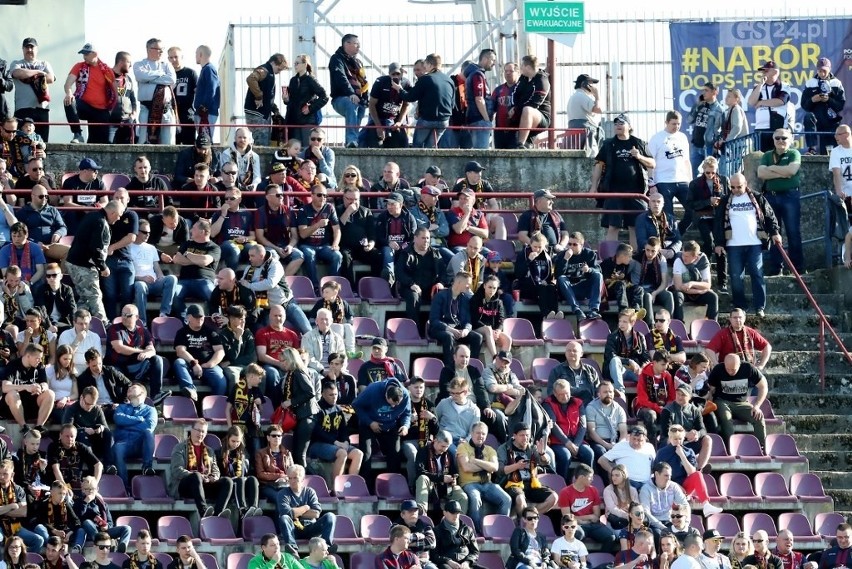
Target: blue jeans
{"points": [[148, 371], [324, 253], [387, 262], [232, 255], [679, 190], [32, 540], [166, 288], [600, 533], [481, 138], [273, 385], [78, 539], [118, 287], [589, 288], [199, 289], [740, 259], [119, 533], [139, 444], [296, 319], [697, 154], [489, 492], [322, 527], [428, 133], [563, 458], [618, 373], [212, 376], [354, 115], [788, 210]]}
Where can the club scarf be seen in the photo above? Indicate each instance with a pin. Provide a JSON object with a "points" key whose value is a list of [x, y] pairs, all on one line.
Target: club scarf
{"points": [[11, 305], [355, 73], [338, 312], [248, 175], [57, 519], [473, 267], [661, 224], [664, 342], [134, 560], [622, 349], [192, 461], [44, 342], [229, 298], [422, 424], [10, 526], [431, 213], [745, 349], [158, 111], [261, 296], [709, 188], [109, 77], [387, 363], [479, 454], [655, 266], [241, 402], [39, 86], [24, 261]]}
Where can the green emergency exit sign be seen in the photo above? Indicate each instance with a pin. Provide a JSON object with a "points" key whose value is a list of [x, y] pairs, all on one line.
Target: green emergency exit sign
{"points": [[554, 17]]}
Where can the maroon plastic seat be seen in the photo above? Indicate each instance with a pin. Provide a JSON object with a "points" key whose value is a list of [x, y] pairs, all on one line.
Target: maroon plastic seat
{"points": [[213, 409], [719, 452], [545, 526], [505, 247], [594, 363], [724, 523], [737, 487], [111, 488], [825, 524], [769, 416], [118, 558], [598, 483], [697, 522], [541, 368], [521, 331], [209, 560], [178, 409], [136, 524], [491, 560], [552, 481], [218, 531], [429, 369], [345, 288], [97, 326], [712, 489], [321, 489], [77, 558], [170, 528], [375, 528], [518, 369], [376, 290], [773, 488], [241, 560], [255, 527], [352, 365], [498, 528], [352, 488], [557, 332], [150, 490], [164, 444], [606, 249], [477, 363], [679, 330], [702, 330], [782, 448], [365, 326], [746, 448], [302, 288], [510, 218], [598, 558], [213, 441], [800, 527], [33, 557], [808, 487], [164, 329], [362, 560], [754, 521], [345, 534], [641, 327], [594, 332], [112, 182], [468, 521], [163, 558], [404, 332]]}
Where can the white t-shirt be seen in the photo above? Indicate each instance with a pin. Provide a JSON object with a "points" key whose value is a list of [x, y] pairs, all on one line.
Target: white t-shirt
{"points": [[679, 268], [761, 114], [686, 562], [575, 549], [671, 152], [91, 340], [743, 218], [637, 462], [144, 256], [842, 158]]}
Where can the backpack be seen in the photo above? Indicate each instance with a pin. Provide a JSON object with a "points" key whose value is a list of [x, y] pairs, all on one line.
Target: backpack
{"points": [[459, 115]]}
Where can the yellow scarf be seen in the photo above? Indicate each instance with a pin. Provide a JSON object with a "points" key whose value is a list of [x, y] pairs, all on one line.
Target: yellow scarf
{"points": [[10, 527], [192, 462]]}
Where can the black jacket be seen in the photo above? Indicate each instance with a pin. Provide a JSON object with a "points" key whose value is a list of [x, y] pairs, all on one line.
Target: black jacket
{"points": [[436, 95], [181, 232], [423, 270], [185, 166], [383, 221], [480, 394], [520, 542], [62, 299], [40, 512], [426, 464], [722, 223], [115, 381], [457, 544], [89, 248], [532, 93], [360, 226], [304, 89], [616, 347], [219, 300]]}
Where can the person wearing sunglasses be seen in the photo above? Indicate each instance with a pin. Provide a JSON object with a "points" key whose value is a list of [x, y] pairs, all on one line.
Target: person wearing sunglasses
{"points": [[768, 98], [567, 551], [319, 234], [711, 558], [782, 178], [156, 80], [321, 155], [681, 517], [35, 174], [762, 556], [528, 545], [232, 227]]}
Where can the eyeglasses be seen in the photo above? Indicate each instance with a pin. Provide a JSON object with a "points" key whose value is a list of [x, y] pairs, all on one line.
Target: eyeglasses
{"points": [[37, 169], [660, 320], [315, 139], [53, 275], [350, 175], [780, 137], [40, 196], [569, 527], [144, 232], [230, 172], [737, 187], [277, 195], [156, 48], [7, 131], [637, 514], [275, 435], [321, 195], [104, 547], [676, 516], [532, 518]]}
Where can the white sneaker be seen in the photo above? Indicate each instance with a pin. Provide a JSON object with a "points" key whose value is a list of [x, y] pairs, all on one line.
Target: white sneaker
{"points": [[709, 509]]}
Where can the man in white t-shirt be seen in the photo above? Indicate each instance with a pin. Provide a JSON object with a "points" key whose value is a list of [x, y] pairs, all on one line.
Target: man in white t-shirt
{"points": [[673, 172], [691, 551], [840, 162], [636, 454], [692, 281], [769, 97], [150, 279], [81, 339], [744, 222]]}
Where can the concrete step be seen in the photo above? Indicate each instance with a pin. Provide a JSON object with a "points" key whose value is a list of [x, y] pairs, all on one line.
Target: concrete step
{"points": [[807, 338], [784, 302], [815, 424], [829, 459], [807, 361], [809, 404], [842, 498], [782, 381], [838, 441], [834, 479]]}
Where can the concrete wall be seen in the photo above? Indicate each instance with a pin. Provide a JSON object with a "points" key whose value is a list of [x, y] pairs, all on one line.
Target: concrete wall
{"points": [[59, 27]]}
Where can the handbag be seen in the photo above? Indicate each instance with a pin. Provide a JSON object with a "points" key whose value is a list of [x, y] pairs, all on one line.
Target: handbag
{"points": [[284, 418]]}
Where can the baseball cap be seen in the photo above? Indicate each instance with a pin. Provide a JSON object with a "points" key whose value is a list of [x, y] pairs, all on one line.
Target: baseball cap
{"points": [[88, 164], [468, 191], [520, 427], [504, 355], [473, 166], [430, 190], [453, 507], [396, 68], [621, 118], [29, 41], [203, 141], [379, 342], [494, 257], [685, 387], [27, 120], [87, 48], [408, 505], [710, 534], [824, 63], [584, 78], [543, 194], [768, 65], [638, 430], [195, 311], [395, 197], [434, 170], [277, 168]]}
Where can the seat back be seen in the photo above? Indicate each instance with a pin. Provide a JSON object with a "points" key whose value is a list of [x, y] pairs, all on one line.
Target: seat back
{"points": [[559, 330], [213, 408], [164, 444], [215, 527], [374, 288], [350, 486], [754, 521], [541, 368], [135, 523], [401, 329], [735, 484], [606, 249], [504, 247], [745, 445], [362, 560], [114, 181], [240, 560], [519, 329], [392, 486], [781, 444], [797, 523], [806, 484], [164, 329], [148, 488], [365, 326], [724, 523], [702, 330], [594, 331], [111, 487], [345, 287], [771, 484], [177, 407], [428, 368], [301, 287], [170, 528], [375, 527], [255, 527], [319, 486]]}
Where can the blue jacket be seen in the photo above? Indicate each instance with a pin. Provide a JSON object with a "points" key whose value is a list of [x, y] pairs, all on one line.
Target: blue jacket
{"points": [[645, 228], [207, 90], [440, 317], [43, 223], [132, 421], [371, 405]]}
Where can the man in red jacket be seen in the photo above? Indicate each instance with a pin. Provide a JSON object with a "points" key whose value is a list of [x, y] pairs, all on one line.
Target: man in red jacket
{"points": [[654, 390]]}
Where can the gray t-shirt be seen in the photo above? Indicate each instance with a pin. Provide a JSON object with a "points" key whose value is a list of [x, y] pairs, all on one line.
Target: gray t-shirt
{"points": [[25, 97], [606, 419]]}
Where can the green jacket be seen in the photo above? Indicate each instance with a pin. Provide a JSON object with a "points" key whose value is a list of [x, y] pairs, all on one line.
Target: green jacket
{"points": [[260, 562]]}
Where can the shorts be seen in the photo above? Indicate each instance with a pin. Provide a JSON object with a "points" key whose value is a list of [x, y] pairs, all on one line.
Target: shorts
{"points": [[621, 220], [29, 403], [533, 495], [543, 124], [325, 451]]}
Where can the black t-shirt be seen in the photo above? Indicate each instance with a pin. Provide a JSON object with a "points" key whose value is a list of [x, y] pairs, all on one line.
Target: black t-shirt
{"points": [[322, 236], [72, 462], [155, 184], [128, 223], [733, 387], [623, 172], [389, 101], [82, 198], [185, 89], [550, 224], [18, 374], [208, 272], [199, 343]]}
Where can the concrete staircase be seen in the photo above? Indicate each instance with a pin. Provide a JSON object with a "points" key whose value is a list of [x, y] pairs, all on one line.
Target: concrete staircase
{"points": [[820, 421]]}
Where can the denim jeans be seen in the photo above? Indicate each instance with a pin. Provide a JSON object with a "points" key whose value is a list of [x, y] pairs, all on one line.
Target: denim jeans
{"points": [[212, 376], [31, 539], [741, 259], [600, 533], [481, 137], [199, 289], [589, 288], [788, 210], [618, 373], [324, 253], [121, 534], [387, 263], [209, 127], [118, 287], [354, 115], [427, 134], [697, 154], [148, 371], [679, 190], [323, 527], [78, 539], [166, 288], [564, 458], [478, 493], [295, 318], [232, 255], [138, 444], [273, 385]]}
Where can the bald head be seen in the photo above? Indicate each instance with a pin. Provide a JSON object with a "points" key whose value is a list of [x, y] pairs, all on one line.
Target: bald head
{"points": [[732, 364], [738, 184]]}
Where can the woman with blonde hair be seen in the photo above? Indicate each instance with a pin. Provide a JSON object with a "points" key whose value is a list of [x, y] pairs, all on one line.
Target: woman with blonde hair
{"points": [[741, 548], [301, 397], [304, 98], [734, 125], [618, 496]]}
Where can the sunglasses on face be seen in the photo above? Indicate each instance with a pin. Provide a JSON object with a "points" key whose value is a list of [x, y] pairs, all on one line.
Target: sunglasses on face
{"points": [[780, 138], [52, 275], [350, 175], [231, 199], [676, 516], [315, 139], [532, 518], [320, 195], [230, 173]]}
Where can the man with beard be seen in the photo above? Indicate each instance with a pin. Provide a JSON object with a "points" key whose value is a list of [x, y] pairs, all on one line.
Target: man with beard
{"points": [[185, 82], [31, 77], [126, 111], [357, 233]]}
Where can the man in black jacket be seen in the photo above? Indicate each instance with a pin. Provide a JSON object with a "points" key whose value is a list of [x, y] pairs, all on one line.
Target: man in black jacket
{"points": [[86, 259], [435, 92], [422, 537], [56, 299], [115, 382], [395, 229], [349, 89], [229, 292], [419, 268], [357, 234], [455, 541], [169, 230]]}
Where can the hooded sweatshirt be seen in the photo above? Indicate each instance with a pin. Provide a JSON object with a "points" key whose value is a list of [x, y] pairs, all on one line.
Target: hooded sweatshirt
{"points": [[372, 405], [658, 501]]}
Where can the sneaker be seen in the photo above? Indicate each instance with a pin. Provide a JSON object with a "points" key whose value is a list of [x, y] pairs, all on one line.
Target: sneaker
{"points": [[77, 549], [40, 428], [226, 513], [593, 315], [709, 509], [207, 512], [550, 315], [149, 472], [580, 315], [291, 549], [122, 547], [760, 313], [560, 315], [352, 145], [111, 469], [191, 393], [354, 354], [811, 152], [78, 139], [25, 429], [722, 288], [254, 512], [161, 396]]}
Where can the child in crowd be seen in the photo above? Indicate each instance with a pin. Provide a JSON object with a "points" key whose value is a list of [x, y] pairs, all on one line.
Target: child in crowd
{"points": [[568, 551], [504, 291], [244, 405]]}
